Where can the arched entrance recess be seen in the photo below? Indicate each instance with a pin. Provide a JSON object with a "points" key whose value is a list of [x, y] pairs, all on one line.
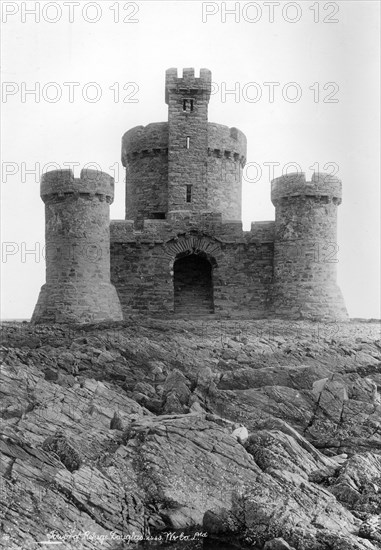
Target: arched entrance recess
{"points": [[193, 284]]}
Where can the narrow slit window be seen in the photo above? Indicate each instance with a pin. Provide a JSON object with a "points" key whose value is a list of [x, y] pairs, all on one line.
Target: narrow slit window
{"points": [[189, 193], [188, 142], [191, 104], [184, 104]]}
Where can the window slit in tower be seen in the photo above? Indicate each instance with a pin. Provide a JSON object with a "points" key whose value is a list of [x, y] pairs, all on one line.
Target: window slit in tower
{"points": [[189, 193], [188, 142], [191, 104], [184, 104]]}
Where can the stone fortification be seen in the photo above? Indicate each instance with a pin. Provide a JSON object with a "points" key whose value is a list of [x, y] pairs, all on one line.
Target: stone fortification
{"points": [[181, 249]]}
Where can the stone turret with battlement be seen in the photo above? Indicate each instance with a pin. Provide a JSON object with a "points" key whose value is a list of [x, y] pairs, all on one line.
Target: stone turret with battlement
{"points": [[77, 235], [305, 247], [181, 249], [186, 165]]}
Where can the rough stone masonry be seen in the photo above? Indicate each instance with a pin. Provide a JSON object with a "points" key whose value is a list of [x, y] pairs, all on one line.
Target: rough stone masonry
{"points": [[181, 249]]}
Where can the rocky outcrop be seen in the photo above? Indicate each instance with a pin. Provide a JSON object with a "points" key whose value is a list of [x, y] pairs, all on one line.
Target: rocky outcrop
{"points": [[117, 433]]}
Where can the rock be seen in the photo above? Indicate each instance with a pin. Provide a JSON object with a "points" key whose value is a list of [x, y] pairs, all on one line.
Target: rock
{"points": [[318, 386], [283, 505], [277, 544], [66, 360], [140, 398], [116, 422], [250, 407], [160, 390], [153, 405], [176, 393], [332, 397], [60, 447], [243, 359], [340, 459], [183, 467], [172, 450], [371, 528], [220, 522], [105, 357], [358, 484], [173, 405], [177, 384], [275, 450], [299, 377], [223, 365], [145, 388], [196, 408], [240, 434], [205, 378], [50, 374], [229, 354]]}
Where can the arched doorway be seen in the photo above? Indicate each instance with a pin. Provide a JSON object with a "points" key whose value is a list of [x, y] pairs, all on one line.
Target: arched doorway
{"points": [[193, 285]]}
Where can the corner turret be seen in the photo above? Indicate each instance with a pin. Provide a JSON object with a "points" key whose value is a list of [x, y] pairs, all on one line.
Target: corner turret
{"points": [[77, 235], [305, 247]]}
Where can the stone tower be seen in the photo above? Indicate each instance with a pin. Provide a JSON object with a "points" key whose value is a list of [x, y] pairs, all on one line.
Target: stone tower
{"points": [[77, 235], [186, 166], [187, 99], [305, 247]]}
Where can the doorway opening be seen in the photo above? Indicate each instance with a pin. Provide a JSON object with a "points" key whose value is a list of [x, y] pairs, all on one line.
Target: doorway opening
{"points": [[193, 285]]}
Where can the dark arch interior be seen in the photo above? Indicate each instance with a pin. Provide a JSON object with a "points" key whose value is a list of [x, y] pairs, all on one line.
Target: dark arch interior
{"points": [[193, 285]]}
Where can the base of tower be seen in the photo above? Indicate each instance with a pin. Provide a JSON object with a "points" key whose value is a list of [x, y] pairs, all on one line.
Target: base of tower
{"points": [[308, 301], [80, 304]]}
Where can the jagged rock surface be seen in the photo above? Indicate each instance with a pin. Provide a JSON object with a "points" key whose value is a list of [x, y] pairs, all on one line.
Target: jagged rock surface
{"points": [[127, 429]]}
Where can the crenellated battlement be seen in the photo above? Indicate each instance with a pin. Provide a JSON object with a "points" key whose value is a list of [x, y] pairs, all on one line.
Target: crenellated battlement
{"points": [[142, 139], [295, 185], [228, 143], [60, 183], [188, 84], [208, 223], [145, 153], [152, 140], [227, 155]]}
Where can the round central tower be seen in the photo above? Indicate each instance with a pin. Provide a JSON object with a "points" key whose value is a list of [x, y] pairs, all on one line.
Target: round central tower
{"points": [[185, 165]]}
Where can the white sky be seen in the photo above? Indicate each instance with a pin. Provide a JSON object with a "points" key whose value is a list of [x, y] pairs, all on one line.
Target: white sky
{"points": [[238, 51]]}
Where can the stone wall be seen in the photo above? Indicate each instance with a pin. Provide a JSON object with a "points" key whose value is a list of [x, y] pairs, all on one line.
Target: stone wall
{"points": [[142, 266]]}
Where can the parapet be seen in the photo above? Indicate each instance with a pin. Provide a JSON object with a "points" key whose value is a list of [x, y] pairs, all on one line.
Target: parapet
{"points": [[63, 182], [188, 83], [263, 231], [121, 231], [226, 142], [143, 140], [158, 230], [295, 185]]}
